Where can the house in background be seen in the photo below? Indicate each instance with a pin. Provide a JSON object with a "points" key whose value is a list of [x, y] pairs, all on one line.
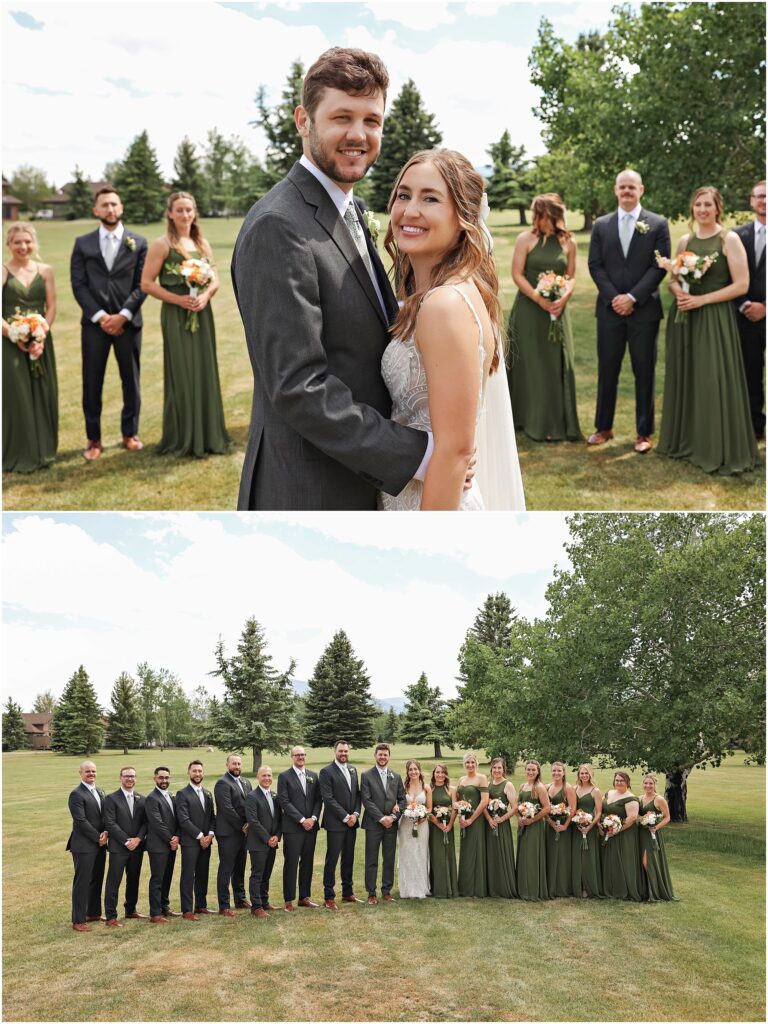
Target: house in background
{"points": [[11, 205], [56, 206], [37, 725]]}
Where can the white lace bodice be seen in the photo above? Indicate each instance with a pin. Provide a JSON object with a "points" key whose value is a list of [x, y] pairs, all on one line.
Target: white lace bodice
{"points": [[406, 381]]}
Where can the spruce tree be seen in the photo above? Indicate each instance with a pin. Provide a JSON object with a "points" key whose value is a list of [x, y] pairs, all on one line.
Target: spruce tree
{"points": [[188, 174], [493, 622], [284, 144], [258, 707], [77, 726], [125, 721], [14, 732], [80, 197], [407, 129], [510, 186], [423, 719], [393, 726], [338, 703], [140, 183]]}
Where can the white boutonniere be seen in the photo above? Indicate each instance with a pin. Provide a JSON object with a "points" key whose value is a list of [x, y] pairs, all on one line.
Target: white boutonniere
{"points": [[389, 774], [372, 223], [351, 769], [130, 243], [643, 227]]}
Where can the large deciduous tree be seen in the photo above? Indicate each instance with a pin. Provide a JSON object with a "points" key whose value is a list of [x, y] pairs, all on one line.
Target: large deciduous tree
{"points": [[14, 732], [258, 707], [44, 702], [424, 715], [77, 727], [125, 721], [31, 186], [140, 183], [338, 704]]}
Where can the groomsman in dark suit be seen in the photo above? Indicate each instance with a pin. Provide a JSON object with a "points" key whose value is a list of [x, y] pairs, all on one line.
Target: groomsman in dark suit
{"points": [[628, 310], [231, 830], [263, 813], [87, 843], [340, 790], [125, 820], [162, 842], [750, 308], [383, 802], [105, 271], [197, 824], [298, 793]]}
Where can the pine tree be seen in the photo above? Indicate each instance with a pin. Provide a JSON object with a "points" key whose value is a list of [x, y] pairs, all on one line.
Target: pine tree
{"points": [[44, 702], [258, 708], [14, 732], [284, 143], [80, 197], [393, 726], [77, 726], [407, 129], [140, 183], [510, 186], [125, 721], [188, 174], [494, 621], [338, 702], [423, 718]]}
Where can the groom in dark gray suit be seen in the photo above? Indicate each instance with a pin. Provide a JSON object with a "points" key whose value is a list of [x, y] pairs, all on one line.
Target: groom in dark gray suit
{"points": [[750, 309], [383, 803], [316, 306], [628, 309]]}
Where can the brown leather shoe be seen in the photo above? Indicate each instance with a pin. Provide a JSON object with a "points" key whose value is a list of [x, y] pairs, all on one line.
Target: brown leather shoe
{"points": [[204, 910], [372, 901], [92, 450], [135, 917], [158, 920], [80, 927], [308, 903], [289, 907], [133, 444], [226, 912], [269, 906], [643, 444], [189, 916], [245, 905], [258, 912], [388, 898], [171, 913], [350, 899], [113, 923], [600, 437], [89, 919], [331, 905]]}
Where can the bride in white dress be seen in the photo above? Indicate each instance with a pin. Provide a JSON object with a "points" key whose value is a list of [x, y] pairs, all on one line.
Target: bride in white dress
{"points": [[413, 851], [445, 367]]}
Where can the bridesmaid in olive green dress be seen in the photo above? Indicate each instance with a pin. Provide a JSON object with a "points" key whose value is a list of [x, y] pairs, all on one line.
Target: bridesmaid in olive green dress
{"points": [[586, 875], [622, 873], [472, 787], [499, 846], [653, 855], [531, 838], [442, 850], [559, 791], [541, 379], [705, 417], [30, 400], [193, 415]]}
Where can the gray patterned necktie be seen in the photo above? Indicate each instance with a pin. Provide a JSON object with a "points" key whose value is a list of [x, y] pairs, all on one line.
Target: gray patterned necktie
{"points": [[358, 237], [110, 251], [759, 242], [625, 233]]}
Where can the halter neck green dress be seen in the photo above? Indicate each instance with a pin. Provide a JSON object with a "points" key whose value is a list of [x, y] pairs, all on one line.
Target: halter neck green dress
{"points": [[500, 851], [586, 873], [193, 415], [622, 873], [705, 417], [540, 374], [532, 855], [657, 870], [559, 881], [442, 855], [30, 403], [472, 880]]}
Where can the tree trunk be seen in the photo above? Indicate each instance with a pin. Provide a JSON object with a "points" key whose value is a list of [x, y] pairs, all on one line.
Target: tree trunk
{"points": [[521, 211], [256, 759], [438, 751], [676, 792], [588, 221], [125, 750]]}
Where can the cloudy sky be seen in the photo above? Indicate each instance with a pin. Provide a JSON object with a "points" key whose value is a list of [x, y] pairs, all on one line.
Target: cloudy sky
{"points": [[110, 590], [81, 80]]}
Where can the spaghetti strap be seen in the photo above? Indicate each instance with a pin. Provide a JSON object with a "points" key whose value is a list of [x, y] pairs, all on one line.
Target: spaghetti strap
{"points": [[466, 298]]}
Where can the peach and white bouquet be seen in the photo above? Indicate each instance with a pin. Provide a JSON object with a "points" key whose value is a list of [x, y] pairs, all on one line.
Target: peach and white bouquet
{"points": [[25, 329], [197, 275], [415, 812], [688, 268], [559, 813], [552, 286], [443, 815], [583, 819], [526, 809], [649, 820], [612, 825], [464, 807], [497, 809]]}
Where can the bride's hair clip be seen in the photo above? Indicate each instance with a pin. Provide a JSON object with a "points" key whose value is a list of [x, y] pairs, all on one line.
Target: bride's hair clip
{"points": [[482, 220]]}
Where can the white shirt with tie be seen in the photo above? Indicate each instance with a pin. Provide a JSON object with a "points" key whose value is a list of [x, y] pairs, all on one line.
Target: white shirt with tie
{"points": [[103, 246]]}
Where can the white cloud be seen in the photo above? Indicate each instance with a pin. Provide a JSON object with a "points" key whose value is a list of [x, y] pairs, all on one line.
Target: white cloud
{"points": [[581, 18], [417, 16]]}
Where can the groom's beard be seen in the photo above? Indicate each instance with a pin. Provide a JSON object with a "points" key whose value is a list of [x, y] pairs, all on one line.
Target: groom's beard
{"points": [[323, 156]]}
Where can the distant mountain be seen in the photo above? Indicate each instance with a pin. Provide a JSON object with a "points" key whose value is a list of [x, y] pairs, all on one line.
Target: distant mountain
{"points": [[398, 703]]}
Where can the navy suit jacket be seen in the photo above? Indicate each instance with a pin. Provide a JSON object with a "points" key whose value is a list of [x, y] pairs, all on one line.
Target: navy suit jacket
{"points": [[294, 803], [87, 819], [756, 290], [262, 824], [97, 288], [161, 821], [338, 800], [636, 273], [119, 823], [230, 805], [191, 817]]}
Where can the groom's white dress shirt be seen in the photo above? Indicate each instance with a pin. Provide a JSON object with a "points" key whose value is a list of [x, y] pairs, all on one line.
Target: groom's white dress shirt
{"points": [[117, 234]]}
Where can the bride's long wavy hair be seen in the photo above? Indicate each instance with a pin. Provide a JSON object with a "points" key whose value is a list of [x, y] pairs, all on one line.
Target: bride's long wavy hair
{"points": [[407, 777], [469, 259]]}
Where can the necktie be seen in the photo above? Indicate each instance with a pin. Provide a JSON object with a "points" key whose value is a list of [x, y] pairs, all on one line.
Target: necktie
{"points": [[129, 798], [759, 241], [201, 794], [303, 779], [625, 233], [345, 773], [110, 251], [98, 798], [268, 798], [350, 219], [167, 798], [241, 786]]}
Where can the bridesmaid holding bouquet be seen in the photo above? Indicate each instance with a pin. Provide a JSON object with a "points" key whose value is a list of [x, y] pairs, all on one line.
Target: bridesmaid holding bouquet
{"points": [[472, 789], [499, 846], [622, 874], [654, 816], [586, 876], [442, 850], [563, 798], [531, 839]]}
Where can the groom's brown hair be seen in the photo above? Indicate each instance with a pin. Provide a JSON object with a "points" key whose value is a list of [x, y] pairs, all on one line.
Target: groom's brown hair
{"points": [[350, 70]]}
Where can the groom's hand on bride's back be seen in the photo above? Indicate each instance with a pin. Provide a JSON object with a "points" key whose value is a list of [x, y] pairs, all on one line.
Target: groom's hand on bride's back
{"points": [[470, 470]]}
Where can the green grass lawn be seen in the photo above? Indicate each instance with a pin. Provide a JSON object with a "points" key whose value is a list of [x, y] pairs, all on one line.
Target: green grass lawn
{"points": [[699, 959], [556, 476]]}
